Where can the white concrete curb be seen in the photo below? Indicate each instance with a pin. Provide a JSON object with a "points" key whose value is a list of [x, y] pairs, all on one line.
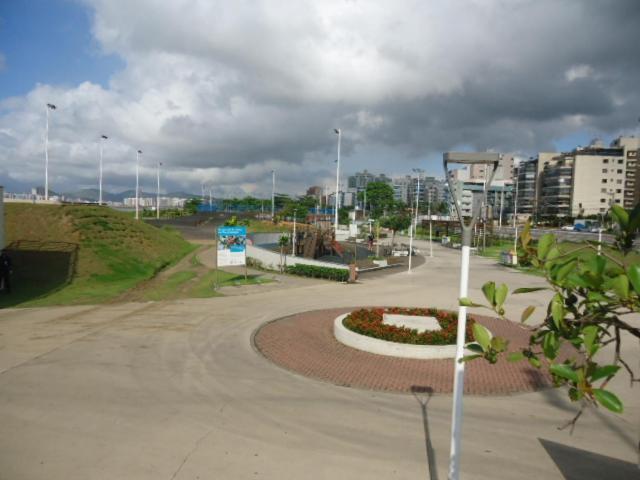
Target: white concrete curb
{"points": [[390, 349]]}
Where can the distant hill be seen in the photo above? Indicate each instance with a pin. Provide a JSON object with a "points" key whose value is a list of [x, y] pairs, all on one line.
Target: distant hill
{"points": [[64, 254], [93, 194]]}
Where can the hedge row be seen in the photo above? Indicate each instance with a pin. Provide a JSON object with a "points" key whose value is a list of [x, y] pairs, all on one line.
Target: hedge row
{"points": [[337, 274], [369, 322]]}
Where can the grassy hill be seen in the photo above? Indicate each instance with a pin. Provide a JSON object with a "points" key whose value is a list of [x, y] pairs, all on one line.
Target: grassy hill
{"points": [[66, 255]]}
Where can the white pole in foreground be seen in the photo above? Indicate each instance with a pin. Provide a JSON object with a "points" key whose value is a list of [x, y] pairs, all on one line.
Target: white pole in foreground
{"points": [[158, 194], [458, 379], [102, 139], [50, 106], [430, 229], [337, 203], [138, 152], [467, 230], [414, 225], [273, 195]]}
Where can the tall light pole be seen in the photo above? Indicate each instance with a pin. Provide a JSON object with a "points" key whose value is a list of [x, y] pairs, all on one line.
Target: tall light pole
{"points": [[337, 202], [138, 153], [414, 225], [102, 139], [273, 195], [158, 192], [50, 106], [430, 224], [515, 215], [486, 159]]}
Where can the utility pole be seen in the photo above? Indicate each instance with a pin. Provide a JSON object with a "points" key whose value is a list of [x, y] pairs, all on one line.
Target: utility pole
{"points": [[515, 215], [414, 227], [102, 139], [337, 201], [158, 193], [50, 106], [273, 195], [138, 153]]}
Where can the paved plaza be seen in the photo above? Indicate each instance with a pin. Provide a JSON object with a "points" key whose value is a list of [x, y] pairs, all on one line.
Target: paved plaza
{"points": [[176, 390]]}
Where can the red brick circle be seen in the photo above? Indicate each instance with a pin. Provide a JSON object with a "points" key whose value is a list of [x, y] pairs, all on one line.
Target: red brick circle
{"points": [[304, 343]]}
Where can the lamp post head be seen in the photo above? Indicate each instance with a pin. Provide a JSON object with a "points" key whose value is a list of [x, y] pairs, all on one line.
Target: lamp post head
{"points": [[104, 137], [139, 152], [337, 131], [51, 106]]}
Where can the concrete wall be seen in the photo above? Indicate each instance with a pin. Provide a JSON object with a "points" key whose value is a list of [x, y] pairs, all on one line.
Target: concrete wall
{"points": [[272, 259]]}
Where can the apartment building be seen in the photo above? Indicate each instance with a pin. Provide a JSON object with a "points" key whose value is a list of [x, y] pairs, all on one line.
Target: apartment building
{"points": [[588, 180]]}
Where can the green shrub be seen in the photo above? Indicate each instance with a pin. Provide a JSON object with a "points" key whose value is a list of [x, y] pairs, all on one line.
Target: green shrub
{"points": [[337, 274]]}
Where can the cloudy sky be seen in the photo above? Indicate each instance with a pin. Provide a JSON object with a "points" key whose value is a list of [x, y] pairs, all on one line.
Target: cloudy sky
{"points": [[225, 91]]}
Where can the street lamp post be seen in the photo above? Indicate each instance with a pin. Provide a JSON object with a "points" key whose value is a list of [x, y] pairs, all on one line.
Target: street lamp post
{"points": [[293, 249], [158, 193], [430, 225], [273, 195], [337, 202], [102, 139], [515, 216], [414, 225], [467, 229], [138, 153], [50, 106]]}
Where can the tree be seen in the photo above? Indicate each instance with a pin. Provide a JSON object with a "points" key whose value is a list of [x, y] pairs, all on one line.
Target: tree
{"points": [[596, 296], [343, 215], [283, 242], [191, 205], [380, 197], [396, 223]]}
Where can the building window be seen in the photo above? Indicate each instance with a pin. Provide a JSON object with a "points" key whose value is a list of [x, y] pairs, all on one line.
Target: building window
{"points": [[619, 182], [604, 170], [606, 160], [602, 200], [617, 200], [619, 171], [618, 191], [604, 180], [620, 161]]}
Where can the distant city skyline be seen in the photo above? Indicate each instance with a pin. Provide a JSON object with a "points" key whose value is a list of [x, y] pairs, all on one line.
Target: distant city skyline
{"points": [[226, 93]]}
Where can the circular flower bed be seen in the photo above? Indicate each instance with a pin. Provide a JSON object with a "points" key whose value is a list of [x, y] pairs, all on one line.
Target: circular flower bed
{"points": [[369, 322]]}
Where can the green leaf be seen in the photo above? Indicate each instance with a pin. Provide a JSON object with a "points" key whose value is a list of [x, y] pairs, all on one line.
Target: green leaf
{"points": [[634, 218], [565, 371], [468, 358], [474, 347], [596, 264], [557, 310], [621, 216], [528, 289], [633, 272], [565, 270], [527, 313], [501, 294], [515, 357], [482, 336], [489, 290], [544, 245], [604, 372], [550, 345], [590, 334], [467, 302], [576, 280], [553, 254], [534, 361], [608, 400], [620, 285], [499, 344]]}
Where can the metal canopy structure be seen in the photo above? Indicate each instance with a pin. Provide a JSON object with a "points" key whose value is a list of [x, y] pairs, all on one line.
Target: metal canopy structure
{"points": [[463, 158]]}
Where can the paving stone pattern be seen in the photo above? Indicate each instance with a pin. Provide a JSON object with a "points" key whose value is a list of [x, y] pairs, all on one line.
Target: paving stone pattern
{"points": [[304, 343]]}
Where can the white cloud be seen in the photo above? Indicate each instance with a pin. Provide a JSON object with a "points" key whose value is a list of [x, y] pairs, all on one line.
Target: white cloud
{"points": [[226, 91]]}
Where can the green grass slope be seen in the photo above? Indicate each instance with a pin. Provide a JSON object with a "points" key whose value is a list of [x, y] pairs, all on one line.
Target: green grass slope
{"points": [[67, 255]]}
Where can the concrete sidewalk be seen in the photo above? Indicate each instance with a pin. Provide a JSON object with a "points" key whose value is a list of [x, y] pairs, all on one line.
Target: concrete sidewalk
{"points": [[174, 390]]}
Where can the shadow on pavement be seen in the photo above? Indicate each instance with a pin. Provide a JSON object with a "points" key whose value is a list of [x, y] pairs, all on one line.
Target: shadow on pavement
{"points": [[423, 395], [576, 464]]}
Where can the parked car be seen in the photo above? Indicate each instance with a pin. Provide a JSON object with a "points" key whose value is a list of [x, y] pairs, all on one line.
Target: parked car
{"points": [[568, 228]]}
